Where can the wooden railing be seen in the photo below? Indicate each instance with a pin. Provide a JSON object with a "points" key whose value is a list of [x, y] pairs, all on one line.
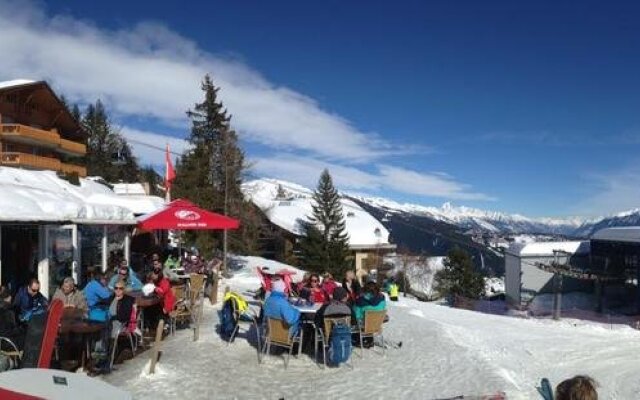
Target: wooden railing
{"points": [[30, 161], [70, 146], [29, 132], [41, 137], [70, 169]]}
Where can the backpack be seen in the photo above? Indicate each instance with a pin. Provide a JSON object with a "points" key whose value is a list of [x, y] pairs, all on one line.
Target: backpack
{"points": [[340, 343], [227, 319]]}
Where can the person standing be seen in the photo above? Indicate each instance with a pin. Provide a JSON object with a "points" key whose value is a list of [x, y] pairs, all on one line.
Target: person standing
{"points": [[351, 284], [9, 326]]}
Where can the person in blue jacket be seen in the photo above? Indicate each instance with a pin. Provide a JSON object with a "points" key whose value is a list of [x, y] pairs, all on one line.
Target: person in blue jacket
{"points": [[277, 306], [131, 280], [29, 301], [98, 296]]}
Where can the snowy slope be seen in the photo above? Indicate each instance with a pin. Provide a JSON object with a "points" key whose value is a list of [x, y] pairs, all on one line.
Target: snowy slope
{"points": [[288, 212], [446, 352]]}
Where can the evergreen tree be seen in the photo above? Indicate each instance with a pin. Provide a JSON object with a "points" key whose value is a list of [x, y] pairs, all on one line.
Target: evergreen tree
{"points": [[153, 179], [108, 153], [325, 243], [458, 277], [211, 173]]}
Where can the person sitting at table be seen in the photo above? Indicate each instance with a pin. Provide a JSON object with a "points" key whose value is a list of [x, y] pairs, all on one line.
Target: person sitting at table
{"points": [[277, 306], [163, 288], [29, 301], [121, 310], [126, 274], [300, 286], [336, 308], [9, 326], [370, 299], [98, 296], [313, 292], [352, 285], [328, 284], [70, 296]]}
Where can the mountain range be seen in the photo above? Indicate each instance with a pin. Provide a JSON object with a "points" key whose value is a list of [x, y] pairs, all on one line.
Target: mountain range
{"points": [[435, 230]]}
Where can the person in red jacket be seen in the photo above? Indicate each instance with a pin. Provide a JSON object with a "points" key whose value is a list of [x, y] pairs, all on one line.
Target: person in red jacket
{"points": [[314, 291], [163, 288], [329, 285]]}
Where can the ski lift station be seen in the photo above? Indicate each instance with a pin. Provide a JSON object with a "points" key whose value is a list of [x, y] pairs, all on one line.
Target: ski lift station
{"points": [[607, 263]]}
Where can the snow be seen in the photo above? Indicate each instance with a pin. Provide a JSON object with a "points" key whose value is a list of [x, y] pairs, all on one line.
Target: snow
{"points": [[623, 234], [548, 248], [129, 189], [421, 272], [15, 82], [493, 286], [289, 212], [43, 196], [445, 352]]}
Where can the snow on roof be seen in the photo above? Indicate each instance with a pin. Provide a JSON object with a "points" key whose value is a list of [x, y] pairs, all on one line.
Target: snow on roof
{"points": [[547, 248], [31, 196], [288, 212], [125, 189], [15, 82], [621, 234]]}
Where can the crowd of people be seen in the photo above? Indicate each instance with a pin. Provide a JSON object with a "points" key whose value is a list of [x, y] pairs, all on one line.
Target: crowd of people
{"points": [[107, 297], [348, 299]]}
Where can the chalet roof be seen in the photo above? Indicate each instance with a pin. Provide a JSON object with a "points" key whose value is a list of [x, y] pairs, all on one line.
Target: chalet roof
{"points": [[546, 249], [66, 119], [619, 234]]}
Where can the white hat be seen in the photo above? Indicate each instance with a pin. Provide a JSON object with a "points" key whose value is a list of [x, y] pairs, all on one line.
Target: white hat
{"points": [[278, 286]]}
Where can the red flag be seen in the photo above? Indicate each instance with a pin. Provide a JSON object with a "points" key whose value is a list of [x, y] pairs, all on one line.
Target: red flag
{"points": [[169, 172]]}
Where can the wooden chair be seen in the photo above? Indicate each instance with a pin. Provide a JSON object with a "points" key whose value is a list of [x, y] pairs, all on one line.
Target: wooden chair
{"points": [[371, 327], [324, 333], [179, 312], [278, 335]]}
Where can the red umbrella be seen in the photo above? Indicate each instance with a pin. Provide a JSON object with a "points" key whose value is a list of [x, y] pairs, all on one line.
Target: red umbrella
{"points": [[184, 215]]}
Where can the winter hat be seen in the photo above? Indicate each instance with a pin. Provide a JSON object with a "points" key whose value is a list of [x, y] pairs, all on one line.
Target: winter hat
{"points": [[278, 286], [340, 293]]}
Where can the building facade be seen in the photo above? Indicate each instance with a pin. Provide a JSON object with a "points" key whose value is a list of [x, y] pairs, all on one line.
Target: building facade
{"points": [[37, 131]]}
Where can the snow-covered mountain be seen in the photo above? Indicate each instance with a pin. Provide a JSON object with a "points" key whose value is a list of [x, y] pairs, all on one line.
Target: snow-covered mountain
{"points": [[466, 217], [473, 218]]}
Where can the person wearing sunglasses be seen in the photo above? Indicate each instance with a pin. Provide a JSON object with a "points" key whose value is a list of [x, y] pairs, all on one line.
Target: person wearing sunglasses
{"points": [[29, 301], [126, 274], [121, 310], [314, 291]]}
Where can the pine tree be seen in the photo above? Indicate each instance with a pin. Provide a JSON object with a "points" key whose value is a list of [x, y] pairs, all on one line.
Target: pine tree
{"points": [[325, 243], [458, 277], [211, 173], [104, 145]]}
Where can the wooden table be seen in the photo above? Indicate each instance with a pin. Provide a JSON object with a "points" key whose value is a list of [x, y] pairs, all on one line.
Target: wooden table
{"points": [[86, 329]]}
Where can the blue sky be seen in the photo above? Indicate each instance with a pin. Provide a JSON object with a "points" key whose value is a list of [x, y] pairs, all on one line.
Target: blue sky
{"points": [[512, 106]]}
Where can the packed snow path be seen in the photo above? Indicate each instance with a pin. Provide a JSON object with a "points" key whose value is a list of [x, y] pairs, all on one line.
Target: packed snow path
{"points": [[445, 352]]}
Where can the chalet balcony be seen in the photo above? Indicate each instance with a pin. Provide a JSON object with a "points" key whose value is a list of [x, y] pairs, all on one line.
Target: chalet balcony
{"points": [[24, 160], [19, 133], [72, 148]]}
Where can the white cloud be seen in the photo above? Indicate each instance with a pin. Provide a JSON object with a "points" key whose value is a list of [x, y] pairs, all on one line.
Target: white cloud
{"points": [[148, 147], [612, 192], [305, 171], [150, 70]]}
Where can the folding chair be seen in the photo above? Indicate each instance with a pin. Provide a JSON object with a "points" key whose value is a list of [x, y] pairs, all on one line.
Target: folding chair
{"points": [[124, 331], [324, 334], [371, 327], [278, 335], [15, 355]]}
